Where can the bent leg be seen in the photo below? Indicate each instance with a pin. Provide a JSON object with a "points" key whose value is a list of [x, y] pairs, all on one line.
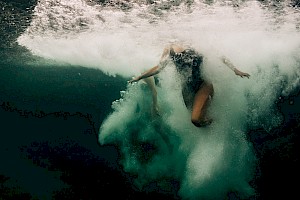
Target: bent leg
{"points": [[200, 104]]}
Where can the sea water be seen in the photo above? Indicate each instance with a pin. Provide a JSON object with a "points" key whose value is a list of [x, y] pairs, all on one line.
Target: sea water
{"points": [[128, 38]]}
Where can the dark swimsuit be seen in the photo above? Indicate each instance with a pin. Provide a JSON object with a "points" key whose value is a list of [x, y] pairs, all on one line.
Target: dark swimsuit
{"points": [[188, 63]]}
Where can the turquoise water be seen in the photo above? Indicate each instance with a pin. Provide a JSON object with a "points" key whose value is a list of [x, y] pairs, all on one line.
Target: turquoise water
{"points": [[71, 122]]}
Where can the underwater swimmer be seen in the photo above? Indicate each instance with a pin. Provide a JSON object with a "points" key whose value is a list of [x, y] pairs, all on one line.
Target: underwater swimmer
{"points": [[196, 91]]}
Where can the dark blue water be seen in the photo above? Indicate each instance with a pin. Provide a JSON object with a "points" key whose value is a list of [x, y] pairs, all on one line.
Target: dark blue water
{"points": [[51, 113]]}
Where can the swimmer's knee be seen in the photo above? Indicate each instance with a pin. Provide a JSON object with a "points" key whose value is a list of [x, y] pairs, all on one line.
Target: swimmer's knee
{"points": [[201, 123], [196, 122]]}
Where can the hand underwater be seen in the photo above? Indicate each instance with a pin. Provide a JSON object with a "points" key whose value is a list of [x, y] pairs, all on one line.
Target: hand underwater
{"points": [[241, 74], [134, 79]]}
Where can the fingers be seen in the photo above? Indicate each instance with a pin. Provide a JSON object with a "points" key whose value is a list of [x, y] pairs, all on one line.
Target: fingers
{"points": [[132, 80], [245, 75]]}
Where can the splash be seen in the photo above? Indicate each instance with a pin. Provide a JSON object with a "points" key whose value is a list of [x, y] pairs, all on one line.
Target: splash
{"points": [[209, 162]]}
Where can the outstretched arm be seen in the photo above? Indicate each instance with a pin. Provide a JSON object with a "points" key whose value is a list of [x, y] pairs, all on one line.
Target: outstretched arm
{"points": [[154, 70], [227, 62], [148, 73]]}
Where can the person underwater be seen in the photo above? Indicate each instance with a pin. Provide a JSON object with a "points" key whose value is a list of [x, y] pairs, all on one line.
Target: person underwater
{"points": [[196, 90]]}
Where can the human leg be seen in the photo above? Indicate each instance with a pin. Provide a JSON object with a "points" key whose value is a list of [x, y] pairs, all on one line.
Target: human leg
{"points": [[151, 84], [200, 104]]}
